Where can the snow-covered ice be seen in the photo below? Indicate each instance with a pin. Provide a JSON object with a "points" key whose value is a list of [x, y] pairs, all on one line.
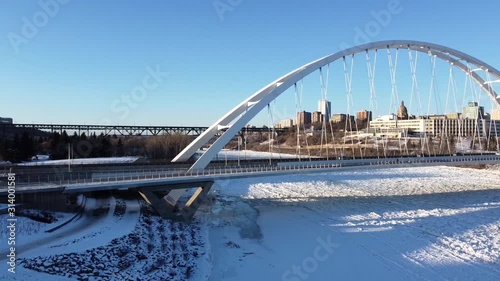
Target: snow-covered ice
{"points": [[436, 223]]}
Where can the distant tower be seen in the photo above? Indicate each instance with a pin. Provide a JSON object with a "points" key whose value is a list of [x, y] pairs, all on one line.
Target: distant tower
{"points": [[473, 111], [303, 118], [316, 117], [325, 107], [402, 111], [364, 115]]}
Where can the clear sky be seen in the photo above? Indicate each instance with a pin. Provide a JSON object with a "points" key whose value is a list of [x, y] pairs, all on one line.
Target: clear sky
{"points": [[79, 61]]}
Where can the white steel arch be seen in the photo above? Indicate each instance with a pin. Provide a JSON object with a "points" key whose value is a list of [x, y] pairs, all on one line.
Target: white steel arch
{"points": [[238, 117]]}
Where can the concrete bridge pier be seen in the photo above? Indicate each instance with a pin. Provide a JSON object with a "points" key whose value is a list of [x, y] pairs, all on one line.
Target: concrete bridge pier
{"points": [[157, 197]]}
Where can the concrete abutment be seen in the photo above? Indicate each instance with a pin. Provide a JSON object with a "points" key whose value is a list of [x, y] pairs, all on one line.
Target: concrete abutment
{"points": [[158, 198]]}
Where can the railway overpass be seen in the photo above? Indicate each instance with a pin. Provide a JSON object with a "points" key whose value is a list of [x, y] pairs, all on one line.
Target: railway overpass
{"points": [[123, 130]]}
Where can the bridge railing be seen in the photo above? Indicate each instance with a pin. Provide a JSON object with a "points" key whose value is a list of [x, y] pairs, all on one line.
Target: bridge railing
{"points": [[67, 179]]}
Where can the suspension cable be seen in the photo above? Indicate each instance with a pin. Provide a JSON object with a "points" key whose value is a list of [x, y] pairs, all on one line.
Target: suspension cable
{"points": [[449, 125], [301, 96], [329, 110], [321, 85], [373, 107], [324, 96], [393, 66], [493, 122], [479, 117], [348, 82], [269, 133], [273, 120], [434, 92], [415, 90], [297, 130], [459, 117], [474, 98]]}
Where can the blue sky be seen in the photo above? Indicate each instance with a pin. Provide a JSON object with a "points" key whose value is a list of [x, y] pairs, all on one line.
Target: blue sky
{"points": [[86, 57]]}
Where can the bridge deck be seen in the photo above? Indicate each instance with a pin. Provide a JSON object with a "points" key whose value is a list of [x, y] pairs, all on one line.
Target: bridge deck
{"points": [[134, 180]]}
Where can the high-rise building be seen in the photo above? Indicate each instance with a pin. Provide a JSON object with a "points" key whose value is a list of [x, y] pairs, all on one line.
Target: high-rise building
{"points": [[337, 118], [317, 117], [6, 120], [325, 107], [287, 123], [303, 118], [495, 114], [364, 115], [454, 115], [473, 111]]}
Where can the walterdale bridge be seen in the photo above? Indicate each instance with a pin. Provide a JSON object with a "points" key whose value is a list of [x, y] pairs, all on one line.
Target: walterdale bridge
{"points": [[176, 192]]}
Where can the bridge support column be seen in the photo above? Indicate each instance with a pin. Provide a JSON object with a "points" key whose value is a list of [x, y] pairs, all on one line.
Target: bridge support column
{"points": [[157, 197]]}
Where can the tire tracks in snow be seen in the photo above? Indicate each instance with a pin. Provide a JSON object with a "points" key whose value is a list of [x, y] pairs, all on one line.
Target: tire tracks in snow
{"points": [[80, 225], [458, 256], [390, 263]]}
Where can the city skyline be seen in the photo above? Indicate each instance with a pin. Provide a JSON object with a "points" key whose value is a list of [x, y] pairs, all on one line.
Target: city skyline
{"points": [[473, 110]]}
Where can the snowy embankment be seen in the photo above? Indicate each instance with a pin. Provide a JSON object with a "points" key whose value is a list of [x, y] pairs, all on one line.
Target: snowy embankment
{"points": [[435, 223], [83, 161], [113, 239], [226, 154]]}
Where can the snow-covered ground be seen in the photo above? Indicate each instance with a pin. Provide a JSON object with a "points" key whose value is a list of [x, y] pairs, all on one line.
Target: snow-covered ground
{"points": [[249, 154], [222, 155], [82, 161], [424, 223]]}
